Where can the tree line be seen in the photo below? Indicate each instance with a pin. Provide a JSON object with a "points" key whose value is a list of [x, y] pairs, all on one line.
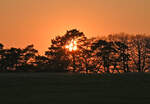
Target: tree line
{"points": [[114, 53]]}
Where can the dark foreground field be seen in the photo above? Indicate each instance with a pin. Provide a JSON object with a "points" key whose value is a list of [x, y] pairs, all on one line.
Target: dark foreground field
{"points": [[52, 88]]}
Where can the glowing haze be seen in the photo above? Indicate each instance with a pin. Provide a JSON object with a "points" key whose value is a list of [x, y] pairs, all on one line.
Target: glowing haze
{"points": [[23, 22]]}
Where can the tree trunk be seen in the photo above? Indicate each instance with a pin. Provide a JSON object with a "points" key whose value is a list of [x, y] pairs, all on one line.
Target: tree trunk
{"points": [[74, 63]]}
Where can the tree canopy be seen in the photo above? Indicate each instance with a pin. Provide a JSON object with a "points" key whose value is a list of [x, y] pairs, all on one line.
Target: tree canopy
{"points": [[75, 52]]}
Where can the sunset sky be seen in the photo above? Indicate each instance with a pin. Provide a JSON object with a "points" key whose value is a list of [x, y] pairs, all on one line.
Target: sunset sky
{"points": [[24, 22]]}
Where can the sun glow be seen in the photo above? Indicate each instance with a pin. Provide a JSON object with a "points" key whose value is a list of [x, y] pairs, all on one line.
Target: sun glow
{"points": [[72, 46]]}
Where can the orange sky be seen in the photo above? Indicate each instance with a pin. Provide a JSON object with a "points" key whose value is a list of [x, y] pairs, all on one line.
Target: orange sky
{"points": [[23, 22]]}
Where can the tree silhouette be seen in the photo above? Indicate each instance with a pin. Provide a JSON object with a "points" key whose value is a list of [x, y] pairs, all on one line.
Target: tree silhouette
{"points": [[104, 50], [140, 52], [42, 63], [28, 57], [59, 55], [123, 55], [79, 37], [1, 46], [11, 58], [85, 54], [122, 41], [58, 59], [74, 52], [2, 53]]}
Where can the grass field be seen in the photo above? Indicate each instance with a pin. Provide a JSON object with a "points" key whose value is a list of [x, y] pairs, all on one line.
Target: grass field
{"points": [[65, 88]]}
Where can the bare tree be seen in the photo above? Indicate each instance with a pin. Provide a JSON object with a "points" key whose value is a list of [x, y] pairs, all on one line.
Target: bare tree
{"points": [[139, 51]]}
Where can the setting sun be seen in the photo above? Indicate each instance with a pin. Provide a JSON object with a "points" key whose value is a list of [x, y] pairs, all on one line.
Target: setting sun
{"points": [[72, 46], [75, 51]]}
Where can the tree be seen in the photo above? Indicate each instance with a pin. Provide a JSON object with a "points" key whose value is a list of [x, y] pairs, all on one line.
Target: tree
{"points": [[123, 56], [57, 58], [11, 58], [2, 52], [61, 58], [122, 45], [147, 68], [42, 63], [84, 54], [139, 52], [17, 59], [82, 44], [28, 57], [1, 46], [104, 50]]}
